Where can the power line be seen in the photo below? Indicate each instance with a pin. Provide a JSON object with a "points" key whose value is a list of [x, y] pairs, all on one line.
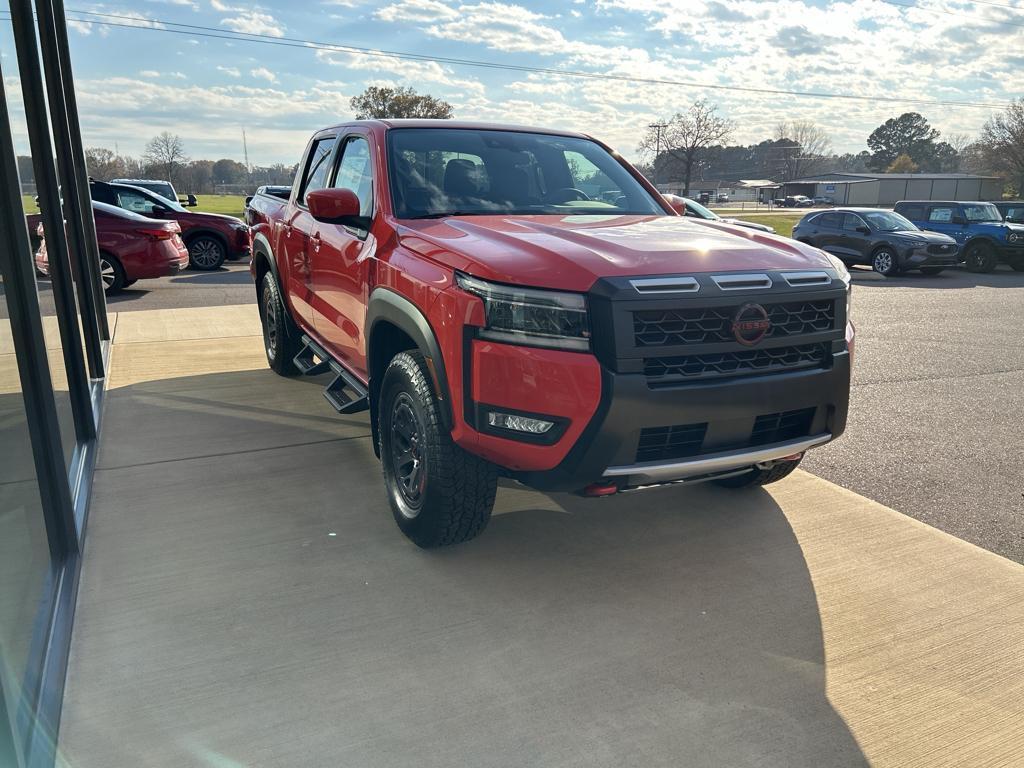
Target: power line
{"points": [[291, 42]]}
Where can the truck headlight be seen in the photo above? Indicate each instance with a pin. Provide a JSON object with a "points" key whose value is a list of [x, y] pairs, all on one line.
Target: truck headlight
{"points": [[530, 315], [844, 275]]}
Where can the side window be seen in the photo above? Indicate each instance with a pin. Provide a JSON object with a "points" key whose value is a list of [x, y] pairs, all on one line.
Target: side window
{"points": [[912, 212], [355, 173], [318, 166], [941, 215], [828, 220], [851, 221], [134, 202]]}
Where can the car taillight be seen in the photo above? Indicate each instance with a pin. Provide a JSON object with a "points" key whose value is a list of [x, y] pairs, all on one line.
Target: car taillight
{"points": [[157, 234]]}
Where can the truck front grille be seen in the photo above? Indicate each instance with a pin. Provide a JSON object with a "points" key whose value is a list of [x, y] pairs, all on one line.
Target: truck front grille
{"points": [[938, 248], [682, 441], [713, 325], [668, 370]]}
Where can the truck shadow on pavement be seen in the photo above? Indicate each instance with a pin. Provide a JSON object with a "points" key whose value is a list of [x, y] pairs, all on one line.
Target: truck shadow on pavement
{"points": [[674, 627]]}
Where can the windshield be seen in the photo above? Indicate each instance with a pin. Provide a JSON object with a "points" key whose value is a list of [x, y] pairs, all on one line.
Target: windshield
{"points": [[982, 212], [700, 210], [443, 172], [884, 221]]}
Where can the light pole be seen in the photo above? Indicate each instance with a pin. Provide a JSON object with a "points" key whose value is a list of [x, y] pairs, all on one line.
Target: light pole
{"points": [[658, 128]]}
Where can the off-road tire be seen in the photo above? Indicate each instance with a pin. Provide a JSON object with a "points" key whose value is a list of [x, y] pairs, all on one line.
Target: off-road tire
{"points": [[885, 262], [931, 271], [280, 334], [760, 476], [980, 257], [455, 497]]}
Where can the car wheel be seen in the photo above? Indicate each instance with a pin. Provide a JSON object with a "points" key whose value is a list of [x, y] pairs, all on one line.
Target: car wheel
{"points": [[206, 253], [931, 270], [439, 493], [112, 274], [280, 334], [760, 476], [979, 257], [884, 262]]}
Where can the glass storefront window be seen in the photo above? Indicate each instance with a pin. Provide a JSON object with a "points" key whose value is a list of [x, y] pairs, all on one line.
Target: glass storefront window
{"points": [[26, 567]]}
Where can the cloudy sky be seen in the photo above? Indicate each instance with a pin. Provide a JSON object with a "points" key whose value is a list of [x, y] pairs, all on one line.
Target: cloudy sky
{"points": [[137, 80]]}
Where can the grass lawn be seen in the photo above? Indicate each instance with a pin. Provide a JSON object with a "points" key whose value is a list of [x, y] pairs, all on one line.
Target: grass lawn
{"points": [[232, 205]]}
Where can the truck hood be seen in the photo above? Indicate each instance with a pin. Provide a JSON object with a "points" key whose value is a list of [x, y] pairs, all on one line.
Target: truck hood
{"points": [[198, 217], [571, 252]]}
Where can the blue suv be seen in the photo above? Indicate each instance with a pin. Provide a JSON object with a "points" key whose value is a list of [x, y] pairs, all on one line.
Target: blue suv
{"points": [[984, 238]]}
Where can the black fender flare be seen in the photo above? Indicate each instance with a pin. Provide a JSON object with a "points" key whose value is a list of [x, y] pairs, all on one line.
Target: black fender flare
{"points": [[261, 249], [985, 240], [385, 305]]}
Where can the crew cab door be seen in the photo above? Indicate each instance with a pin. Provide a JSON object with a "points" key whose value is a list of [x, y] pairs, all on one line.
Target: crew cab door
{"points": [[856, 237], [294, 238], [341, 257], [826, 230]]}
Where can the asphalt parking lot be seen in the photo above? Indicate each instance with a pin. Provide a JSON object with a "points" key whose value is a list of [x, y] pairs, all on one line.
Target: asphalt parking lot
{"points": [[934, 427]]}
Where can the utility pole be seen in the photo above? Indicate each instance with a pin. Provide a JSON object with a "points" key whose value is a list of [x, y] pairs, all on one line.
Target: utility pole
{"points": [[658, 128], [245, 150]]}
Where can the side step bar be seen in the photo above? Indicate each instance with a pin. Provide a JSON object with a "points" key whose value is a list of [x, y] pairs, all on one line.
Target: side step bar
{"points": [[345, 393]]}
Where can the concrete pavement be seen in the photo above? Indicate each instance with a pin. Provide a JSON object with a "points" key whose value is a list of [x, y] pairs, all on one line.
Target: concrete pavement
{"points": [[246, 599]]}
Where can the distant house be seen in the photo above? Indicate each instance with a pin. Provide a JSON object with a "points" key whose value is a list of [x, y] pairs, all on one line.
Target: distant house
{"points": [[888, 188]]}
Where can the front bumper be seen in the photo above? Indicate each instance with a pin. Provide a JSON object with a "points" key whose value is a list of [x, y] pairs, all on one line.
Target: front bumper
{"points": [[920, 257], [607, 450]]}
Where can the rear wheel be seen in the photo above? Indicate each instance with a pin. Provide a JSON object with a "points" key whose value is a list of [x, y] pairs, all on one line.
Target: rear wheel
{"points": [[760, 476], [111, 273], [206, 253], [979, 257], [885, 262], [439, 493], [931, 270], [280, 336]]}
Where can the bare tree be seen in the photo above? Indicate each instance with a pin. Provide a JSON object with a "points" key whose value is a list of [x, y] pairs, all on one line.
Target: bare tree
{"points": [[802, 145], [1002, 141], [167, 152], [686, 136]]}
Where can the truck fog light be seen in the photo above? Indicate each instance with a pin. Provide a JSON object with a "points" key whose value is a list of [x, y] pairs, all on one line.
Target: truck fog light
{"points": [[518, 423]]}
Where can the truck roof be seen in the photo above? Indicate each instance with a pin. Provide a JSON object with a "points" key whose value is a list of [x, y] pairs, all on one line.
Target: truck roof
{"points": [[464, 124]]}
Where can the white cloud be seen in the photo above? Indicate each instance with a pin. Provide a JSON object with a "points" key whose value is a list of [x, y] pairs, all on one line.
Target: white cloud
{"points": [[263, 74], [255, 23], [230, 71], [149, 73]]}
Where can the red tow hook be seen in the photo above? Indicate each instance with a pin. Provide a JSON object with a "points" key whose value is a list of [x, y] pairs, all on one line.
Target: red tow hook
{"points": [[600, 489], [792, 457]]}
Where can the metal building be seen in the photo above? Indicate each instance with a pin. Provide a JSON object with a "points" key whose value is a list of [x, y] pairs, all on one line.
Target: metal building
{"points": [[886, 189]]}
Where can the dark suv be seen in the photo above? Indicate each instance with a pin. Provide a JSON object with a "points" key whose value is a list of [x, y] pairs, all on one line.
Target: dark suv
{"points": [[984, 238], [209, 237], [885, 240], [1012, 211]]}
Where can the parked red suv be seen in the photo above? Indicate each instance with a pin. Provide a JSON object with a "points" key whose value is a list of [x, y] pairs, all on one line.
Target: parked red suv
{"points": [[210, 237], [472, 287], [132, 247]]}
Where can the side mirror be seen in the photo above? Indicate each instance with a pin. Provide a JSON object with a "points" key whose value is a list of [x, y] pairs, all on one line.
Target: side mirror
{"points": [[864, 230], [336, 206], [192, 202], [958, 220], [160, 210], [676, 203], [248, 199]]}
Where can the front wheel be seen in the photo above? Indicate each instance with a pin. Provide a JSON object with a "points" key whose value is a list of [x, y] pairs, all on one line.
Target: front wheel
{"points": [[760, 476], [439, 493], [885, 262], [280, 336], [980, 257], [206, 253]]}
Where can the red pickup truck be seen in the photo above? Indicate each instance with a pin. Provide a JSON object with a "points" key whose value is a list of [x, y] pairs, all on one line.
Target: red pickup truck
{"points": [[522, 302]]}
